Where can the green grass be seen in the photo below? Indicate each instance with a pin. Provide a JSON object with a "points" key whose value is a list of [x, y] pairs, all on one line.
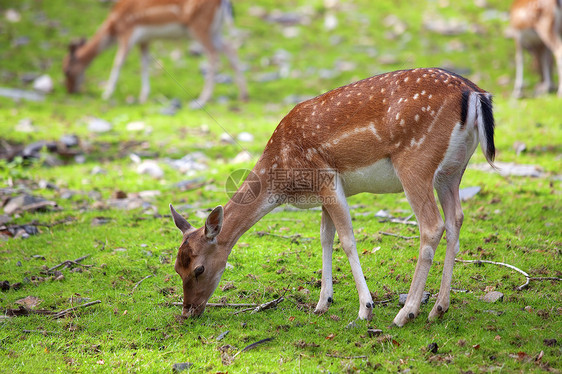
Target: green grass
{"points": [[515, 220]]}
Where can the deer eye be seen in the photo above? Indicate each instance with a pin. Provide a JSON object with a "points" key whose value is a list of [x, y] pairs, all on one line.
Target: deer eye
{"points": [[198, 271]]}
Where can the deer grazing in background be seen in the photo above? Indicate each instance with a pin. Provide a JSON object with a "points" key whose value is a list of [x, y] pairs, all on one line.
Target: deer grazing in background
{"points": [[132, 22], [538, 29], [410, 130]]}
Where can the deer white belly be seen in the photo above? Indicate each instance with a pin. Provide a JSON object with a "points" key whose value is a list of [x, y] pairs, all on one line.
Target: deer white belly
{"points": [[163, 31], [379, 177]]}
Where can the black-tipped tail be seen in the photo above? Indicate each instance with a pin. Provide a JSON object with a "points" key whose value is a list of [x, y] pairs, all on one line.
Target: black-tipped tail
{"points": [[489, 125]]}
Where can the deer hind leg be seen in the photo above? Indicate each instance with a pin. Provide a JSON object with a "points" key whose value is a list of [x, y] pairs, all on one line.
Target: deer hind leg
{"points": [[120, 56], [518, 86], [145, 80], [213, 61], [419, 193], [545, 62], [448, 192], [327, 232], [552, 38], [336, 206], [232, 56]]}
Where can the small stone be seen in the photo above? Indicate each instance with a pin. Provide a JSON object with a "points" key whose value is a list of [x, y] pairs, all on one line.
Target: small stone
{"points": [[4, 218], [135, 126], [403, 296], [28, 78], [241, 157], [330, 22], [25, 125], [99, 125], [98, 170], [12, 15], [43, 84], [226, 138], [492, 297], [33, 149], [69, 140], [181, 366], [151, 168], [27, 203], [245, 137]]}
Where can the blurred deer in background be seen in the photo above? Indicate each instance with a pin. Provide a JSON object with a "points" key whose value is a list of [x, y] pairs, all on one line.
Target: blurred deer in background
{"points": [[132, 22], [538, 29], [411, 131]]}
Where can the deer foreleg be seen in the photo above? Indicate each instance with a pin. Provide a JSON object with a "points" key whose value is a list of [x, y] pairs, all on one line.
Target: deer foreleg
{"points": [[327, 233], [122, 52], [336, 206]]}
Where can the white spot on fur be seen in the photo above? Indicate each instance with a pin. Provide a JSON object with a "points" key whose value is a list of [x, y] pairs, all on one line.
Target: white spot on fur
{"points": [[414, 143], [417, 117], [416, 96], [406, 79]]}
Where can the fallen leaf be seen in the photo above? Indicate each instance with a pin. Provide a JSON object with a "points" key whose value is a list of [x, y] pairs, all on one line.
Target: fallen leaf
{"points": [[29, 302], [330, 337]]}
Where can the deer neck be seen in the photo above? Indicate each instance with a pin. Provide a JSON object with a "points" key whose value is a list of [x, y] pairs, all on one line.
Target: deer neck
{"points": [[246, 207], [101, 40]]}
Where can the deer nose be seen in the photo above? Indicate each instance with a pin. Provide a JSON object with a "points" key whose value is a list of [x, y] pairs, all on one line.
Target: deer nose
{"points": [[190, 310]]}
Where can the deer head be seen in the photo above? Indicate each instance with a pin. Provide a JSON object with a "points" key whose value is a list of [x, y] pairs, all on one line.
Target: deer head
{"points": [[200, 261], [73, 67]]}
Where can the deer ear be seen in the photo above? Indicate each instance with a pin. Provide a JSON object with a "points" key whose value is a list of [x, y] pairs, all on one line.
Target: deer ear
{"points": [[213, 224], [181, 223], [75, 44]]}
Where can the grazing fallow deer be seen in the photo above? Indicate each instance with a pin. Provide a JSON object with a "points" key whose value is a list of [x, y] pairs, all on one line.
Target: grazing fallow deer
{"points": [[410, 130], [132, 22], [538, 29]]}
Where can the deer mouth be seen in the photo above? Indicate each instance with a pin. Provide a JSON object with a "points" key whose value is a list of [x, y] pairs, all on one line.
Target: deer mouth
{"points": [[193, 310]]}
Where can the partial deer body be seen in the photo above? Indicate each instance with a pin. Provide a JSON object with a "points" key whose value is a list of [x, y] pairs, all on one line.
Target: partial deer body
{"points": [[411, 131], [538, 29], [138, 22]]}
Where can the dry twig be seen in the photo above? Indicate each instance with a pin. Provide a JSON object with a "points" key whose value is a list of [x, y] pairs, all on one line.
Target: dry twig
{"points": [[67, 263], [528, 278], [252, 346], [293, 238], [398, 236], [345, 357], [139, 282], [62, 313], [223, 305]]}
